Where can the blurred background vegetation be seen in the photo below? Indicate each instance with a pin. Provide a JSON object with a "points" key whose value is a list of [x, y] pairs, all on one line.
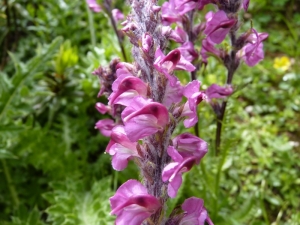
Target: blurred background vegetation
{"points": [[53, 170]]}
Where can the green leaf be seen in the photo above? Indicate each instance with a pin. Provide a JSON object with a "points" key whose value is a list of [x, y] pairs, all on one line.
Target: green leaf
{"points": [[4, 154]]}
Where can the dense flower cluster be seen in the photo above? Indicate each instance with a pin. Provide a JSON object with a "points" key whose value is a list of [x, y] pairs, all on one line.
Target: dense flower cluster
{"points": [[147, 101]]}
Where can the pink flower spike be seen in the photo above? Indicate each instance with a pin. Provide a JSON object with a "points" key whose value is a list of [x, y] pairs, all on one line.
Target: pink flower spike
{"points": [[218, 25], [105, 126], [216, 91], [143, 118], [189, 145], [102, 108], [127, 89], [121, 148], [117, 15], [94, 6], [195, 213], [132, 204], [173, 171]]}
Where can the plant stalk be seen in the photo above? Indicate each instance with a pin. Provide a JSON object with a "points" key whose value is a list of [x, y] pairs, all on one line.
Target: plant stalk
{"points": [[91, 26], [10, 184], [231, 63]]}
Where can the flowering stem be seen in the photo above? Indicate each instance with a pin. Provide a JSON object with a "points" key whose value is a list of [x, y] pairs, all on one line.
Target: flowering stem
{"points": [[231, 63], [118, 36], [107, 5], [217, 184], [220, 118]]}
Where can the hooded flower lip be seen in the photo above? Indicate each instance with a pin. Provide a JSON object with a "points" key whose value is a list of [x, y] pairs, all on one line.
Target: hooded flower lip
{"points": [[121, 148], [143, 118], [218, 25], [172, 61], [132, 204], [189, 145], [173, 171], [195, 213], [126, 90], [105, 126], [216, 91]]}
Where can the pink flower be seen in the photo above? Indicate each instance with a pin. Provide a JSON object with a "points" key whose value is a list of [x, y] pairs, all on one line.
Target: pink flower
{"points": [[218, 25], [189, 145], [124, 90], [167, 64], [117, 15], [252, 53], [216, 91], [121, 148], [102, 108], [178, 35], [173, 94], [194, 96], [94, 6], [209, 48], [105, 126], [184, 6], [169, 13], [195, 213], [174, 170], [132, 204], [147, 42], [143, 118], [188, 51]]}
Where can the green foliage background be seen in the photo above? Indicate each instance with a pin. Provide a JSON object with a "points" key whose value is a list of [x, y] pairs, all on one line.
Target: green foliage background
{"points": [[53, 167]]}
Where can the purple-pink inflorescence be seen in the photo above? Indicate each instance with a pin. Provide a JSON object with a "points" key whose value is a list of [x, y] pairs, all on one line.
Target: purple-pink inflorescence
{"points": [[147, 101]]}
